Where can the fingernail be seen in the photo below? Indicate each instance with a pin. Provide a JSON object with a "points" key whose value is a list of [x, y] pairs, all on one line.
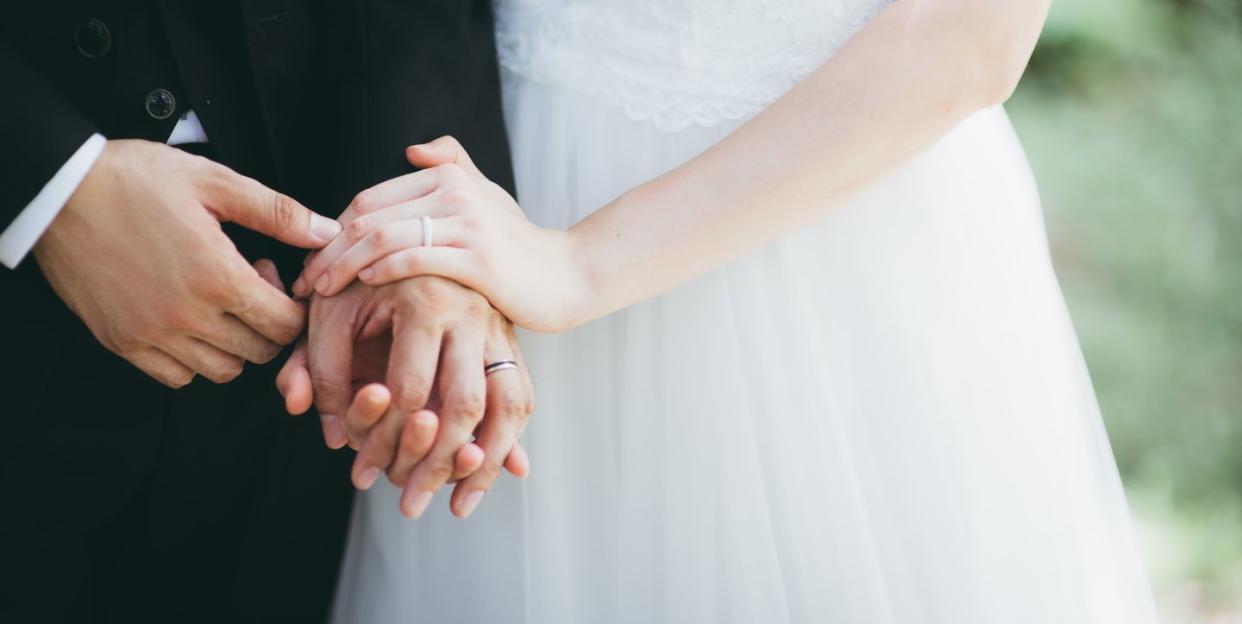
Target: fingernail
{"points": [[469, 503], [299, 287], [334, 434], [375, 399], [324, 228], [418, 505], [321, 284], [368, 477], [366, 274]]}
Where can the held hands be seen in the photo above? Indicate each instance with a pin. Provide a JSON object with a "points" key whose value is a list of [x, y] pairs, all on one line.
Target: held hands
{"points": [[411, 350], [412, 355], [139, 255], [480, 238]]}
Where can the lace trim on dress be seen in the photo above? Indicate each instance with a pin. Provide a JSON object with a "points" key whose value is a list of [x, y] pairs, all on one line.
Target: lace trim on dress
{"points": [[676, 63]]}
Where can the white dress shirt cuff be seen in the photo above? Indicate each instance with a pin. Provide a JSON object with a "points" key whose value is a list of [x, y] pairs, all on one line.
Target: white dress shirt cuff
{"points": [[20, 237]]}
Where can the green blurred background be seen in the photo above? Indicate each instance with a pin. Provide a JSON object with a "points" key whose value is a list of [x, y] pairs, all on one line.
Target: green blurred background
{"points": [[1131, 114]]}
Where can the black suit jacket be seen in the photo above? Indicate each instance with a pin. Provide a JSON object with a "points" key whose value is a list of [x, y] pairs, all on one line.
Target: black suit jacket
{"points": [[317, 99]]}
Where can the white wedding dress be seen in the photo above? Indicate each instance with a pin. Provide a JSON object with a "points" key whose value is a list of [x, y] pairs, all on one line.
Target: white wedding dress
{"points": [[882, 418]]}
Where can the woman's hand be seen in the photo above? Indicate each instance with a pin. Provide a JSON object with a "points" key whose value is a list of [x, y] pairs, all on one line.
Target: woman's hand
{"points": [[479, 237], [913, 73]]}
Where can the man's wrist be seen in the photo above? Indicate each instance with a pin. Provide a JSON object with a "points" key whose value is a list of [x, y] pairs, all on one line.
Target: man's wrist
{"points": [[24, 232]]}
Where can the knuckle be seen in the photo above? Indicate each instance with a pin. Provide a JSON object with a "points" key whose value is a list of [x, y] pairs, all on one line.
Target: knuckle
{"points": [[284, 325], [178, 379], [458, 197], [284, 212], [403, 264], [439, 472], [475, 306], [412, 393], [491, 469], [488, 473], [288, 332], [435, 301], [238, 303], [381, 237], [511, 404], [325, 384], [363, 202], [173, 316], [358, 228], [226, 372], [265, 352], [469, 405]]}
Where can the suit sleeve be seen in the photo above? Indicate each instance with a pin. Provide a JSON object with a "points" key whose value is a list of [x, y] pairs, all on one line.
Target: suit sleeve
{"points": [[39, 131]]}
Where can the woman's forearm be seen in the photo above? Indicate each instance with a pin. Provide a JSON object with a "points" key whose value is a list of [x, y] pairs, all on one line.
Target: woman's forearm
{"points": [[907, 78]]}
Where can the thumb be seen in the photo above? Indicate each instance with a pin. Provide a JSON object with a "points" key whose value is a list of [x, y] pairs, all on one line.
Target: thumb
{"points": [[248, 203], [441, 151], [294, 381], [518, 462]]}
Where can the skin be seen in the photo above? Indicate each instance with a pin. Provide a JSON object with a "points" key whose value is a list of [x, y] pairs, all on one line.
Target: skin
{"points": [[907, 78], [139, 255], [411, 356]]}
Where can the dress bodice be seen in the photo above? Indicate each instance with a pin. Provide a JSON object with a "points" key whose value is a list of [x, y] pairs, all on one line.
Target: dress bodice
{"points": [[676, 62]]}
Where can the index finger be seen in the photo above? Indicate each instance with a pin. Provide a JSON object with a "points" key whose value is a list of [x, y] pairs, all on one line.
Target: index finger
{"points": [[396, 190], [250, 204]]}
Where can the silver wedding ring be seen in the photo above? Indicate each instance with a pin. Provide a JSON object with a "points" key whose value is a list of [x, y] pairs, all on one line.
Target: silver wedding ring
{"points": [[499, 366], [426, 231]]}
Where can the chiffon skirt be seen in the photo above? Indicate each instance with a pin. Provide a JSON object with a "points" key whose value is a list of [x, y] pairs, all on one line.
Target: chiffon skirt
{"points": [[884, 417]]}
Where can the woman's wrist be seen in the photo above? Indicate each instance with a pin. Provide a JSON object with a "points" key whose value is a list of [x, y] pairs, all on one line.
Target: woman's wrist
{"points": [[586, 263], [610, 256]]}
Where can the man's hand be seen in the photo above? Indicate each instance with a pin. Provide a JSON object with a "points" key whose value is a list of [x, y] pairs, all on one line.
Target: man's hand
{"points": [[139, 255], [426, 340]]}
